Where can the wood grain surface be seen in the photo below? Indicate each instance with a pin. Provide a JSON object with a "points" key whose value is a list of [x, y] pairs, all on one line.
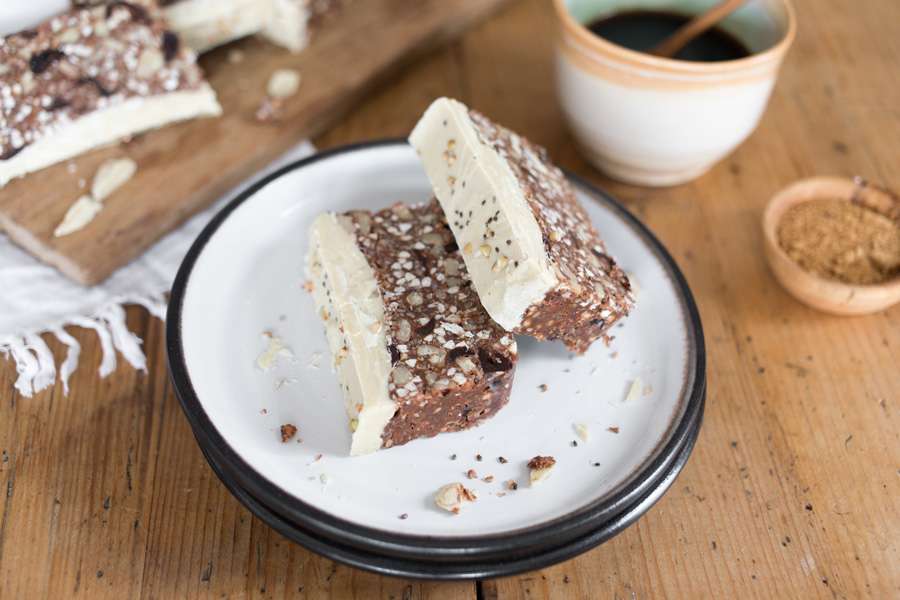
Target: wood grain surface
{"points": [[793, 490], [184, 167]]}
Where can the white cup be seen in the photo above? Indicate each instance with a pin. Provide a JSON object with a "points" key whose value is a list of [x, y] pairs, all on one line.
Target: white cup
{"points": [[657, 121]]}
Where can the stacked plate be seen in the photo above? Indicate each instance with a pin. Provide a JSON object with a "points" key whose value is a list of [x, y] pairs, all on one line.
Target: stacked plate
{"points": [[620, 420]]}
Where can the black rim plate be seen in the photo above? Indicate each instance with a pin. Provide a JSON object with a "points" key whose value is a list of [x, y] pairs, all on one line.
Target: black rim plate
{"points": [[480, 568], [327, 526]]}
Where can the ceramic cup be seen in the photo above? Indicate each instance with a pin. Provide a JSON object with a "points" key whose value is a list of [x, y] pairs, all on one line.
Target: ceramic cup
{"points": [[656, 121]]}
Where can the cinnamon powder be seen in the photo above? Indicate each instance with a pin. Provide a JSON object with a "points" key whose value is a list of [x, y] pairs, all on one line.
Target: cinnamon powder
{"points": [[841, 240]]}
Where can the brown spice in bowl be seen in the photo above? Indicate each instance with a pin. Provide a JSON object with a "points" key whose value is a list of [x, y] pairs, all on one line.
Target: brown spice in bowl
{"points": [[841, 240]]}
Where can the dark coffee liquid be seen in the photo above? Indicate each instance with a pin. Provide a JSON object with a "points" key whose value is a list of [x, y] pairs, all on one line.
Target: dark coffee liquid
{"points": [[641, 30]]}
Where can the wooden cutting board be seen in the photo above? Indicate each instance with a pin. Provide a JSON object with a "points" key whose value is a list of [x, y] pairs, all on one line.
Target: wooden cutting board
{"points": [[184, 167]]}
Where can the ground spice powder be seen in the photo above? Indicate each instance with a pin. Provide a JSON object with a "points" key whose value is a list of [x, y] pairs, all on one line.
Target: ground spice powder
{"points": [[837, 239]]}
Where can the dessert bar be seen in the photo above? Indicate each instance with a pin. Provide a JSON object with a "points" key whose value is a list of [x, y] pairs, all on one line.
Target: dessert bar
{"points": [[414, 351], [534, 257], [206, 24], [90, 77]]}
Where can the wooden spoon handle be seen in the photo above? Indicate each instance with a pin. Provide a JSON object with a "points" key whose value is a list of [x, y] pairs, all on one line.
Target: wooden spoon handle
{"points": [[670, 46]]}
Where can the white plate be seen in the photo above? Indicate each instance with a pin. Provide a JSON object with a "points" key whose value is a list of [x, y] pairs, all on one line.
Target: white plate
{"points": [[247, 277]]}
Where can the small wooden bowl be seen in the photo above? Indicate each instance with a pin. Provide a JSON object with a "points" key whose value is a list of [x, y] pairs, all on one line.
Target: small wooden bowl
{"points": [[825, 294]]}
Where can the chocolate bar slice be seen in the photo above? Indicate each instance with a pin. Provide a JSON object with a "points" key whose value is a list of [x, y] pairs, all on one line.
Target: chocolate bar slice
{"points": [[414, 351], [538, 264], [90, 77], [206, 24]]}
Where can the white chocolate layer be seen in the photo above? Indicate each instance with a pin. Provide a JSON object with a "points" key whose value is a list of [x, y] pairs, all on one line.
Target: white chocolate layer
{"points": [[349, 301], [509, 268], [206, 24], [109, 125]]}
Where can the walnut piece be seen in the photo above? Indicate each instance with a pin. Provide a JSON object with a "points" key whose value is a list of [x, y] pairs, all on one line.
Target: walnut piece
{"points": [[540, 467], [288, 431]]}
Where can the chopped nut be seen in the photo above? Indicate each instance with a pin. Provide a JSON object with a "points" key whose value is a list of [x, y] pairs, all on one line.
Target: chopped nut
{"points": [[404, 330], [543, 387], [451, 267], [634, 392], [275, 349], [283, 83], [403, 517], [433, 239], [613, 429], [467, 249], [488, 478], [111, 175], [150, 62], [288, 431], [471, 474], [466, 364], [484, 249], [540, 467], [502, 460], [401, 375], [555, 236], [512, 484], [414, 299], [582, 431], [79, 214], [434, 354], [451, 496]]}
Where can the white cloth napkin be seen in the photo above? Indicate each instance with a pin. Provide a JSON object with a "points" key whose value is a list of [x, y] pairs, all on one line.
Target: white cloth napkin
{"points": [[36, 299]]}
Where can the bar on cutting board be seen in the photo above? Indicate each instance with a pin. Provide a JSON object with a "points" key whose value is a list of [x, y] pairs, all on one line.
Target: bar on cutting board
{"points": [[414, 351], [90, 77], [538, 264], [206, 24]]}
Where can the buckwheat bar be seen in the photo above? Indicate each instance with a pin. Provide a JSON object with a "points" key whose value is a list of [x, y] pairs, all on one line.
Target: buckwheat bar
{"points": [[89, 77], [414, 351], [534, 257], [206, 24]]}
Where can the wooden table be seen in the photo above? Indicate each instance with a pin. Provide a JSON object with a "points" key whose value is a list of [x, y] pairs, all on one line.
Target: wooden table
{"points": [[792, 491]]}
